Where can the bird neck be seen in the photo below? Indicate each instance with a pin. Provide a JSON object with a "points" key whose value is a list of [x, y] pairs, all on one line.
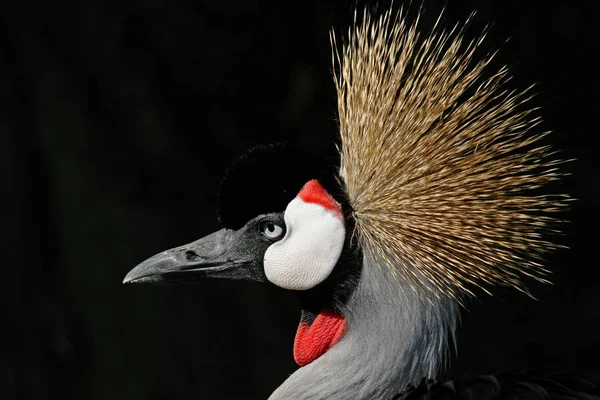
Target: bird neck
{"points": [[393, 338]]}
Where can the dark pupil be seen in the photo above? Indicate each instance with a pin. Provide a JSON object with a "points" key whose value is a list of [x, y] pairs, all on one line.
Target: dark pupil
{"points": [[270, 227]]}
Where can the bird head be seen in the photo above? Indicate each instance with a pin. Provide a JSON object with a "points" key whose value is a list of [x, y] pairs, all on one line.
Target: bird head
{"points": [[288, 230]]}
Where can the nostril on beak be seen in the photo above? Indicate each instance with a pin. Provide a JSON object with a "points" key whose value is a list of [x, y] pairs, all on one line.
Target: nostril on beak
{"points": [[192, 256]]}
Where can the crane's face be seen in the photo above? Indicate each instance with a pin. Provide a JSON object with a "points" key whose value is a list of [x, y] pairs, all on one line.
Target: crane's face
{"points": [[295, 244], [296, 249]]}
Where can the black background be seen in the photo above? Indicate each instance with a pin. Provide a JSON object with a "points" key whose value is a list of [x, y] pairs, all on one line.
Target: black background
{"points": [[117, 119]]}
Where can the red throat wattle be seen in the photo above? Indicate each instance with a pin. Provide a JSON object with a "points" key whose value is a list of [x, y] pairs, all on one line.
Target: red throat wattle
{"points": [[314, 338]]}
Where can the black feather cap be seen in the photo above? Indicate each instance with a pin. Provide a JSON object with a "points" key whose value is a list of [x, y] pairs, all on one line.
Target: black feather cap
{"points": [[266, 178]]}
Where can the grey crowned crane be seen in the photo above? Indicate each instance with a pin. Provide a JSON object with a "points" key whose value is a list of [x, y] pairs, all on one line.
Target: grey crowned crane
{"points": [[440, 189]]}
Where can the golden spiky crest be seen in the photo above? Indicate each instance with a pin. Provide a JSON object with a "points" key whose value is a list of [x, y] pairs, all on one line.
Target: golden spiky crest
{"points": [[441, 164]]}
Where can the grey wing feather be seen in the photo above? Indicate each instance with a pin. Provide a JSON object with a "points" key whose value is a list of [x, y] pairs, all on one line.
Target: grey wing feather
{"points": [[511, 386]]}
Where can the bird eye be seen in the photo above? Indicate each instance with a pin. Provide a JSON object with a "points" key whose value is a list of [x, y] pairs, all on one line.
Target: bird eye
{"points": [[271, 230]]}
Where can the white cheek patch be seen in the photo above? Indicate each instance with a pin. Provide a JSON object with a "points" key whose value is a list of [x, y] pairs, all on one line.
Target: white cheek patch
{"points": [[313, 242]]}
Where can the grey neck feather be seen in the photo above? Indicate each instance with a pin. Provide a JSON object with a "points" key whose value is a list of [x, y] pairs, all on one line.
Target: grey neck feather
{"points": [[394, 338]]}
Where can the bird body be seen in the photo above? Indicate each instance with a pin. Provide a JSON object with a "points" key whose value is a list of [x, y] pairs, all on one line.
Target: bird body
{"points": [[394, 338], [538, 385], [440, 190]]}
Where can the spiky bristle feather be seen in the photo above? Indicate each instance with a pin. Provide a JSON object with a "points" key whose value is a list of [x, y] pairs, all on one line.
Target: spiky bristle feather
{"points": [[442, 165]]}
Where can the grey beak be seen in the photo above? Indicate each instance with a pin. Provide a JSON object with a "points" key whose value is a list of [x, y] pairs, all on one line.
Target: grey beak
{"points": [[217, 255]]}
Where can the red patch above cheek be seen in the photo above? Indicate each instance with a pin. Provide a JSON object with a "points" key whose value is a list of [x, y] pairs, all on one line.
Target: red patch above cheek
{"points": [[313, 192], [313, 340]]}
